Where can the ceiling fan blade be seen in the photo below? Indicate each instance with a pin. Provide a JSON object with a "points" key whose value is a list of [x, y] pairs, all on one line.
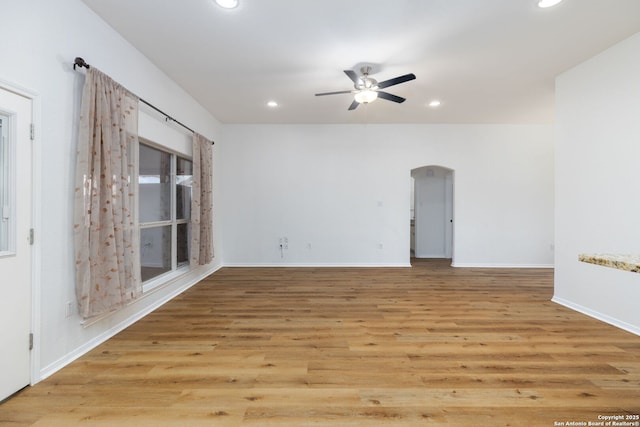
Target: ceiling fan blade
{"points": [[390, 97], [352, 75], [353, 105], [333, 93], [396, 81]]}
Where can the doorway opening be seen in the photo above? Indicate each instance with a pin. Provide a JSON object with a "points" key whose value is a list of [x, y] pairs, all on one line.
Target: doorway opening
{"points": [[432, 212]]}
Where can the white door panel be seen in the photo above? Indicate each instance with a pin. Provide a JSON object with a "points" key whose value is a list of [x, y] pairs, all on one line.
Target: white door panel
{"points": [[15, 248]]}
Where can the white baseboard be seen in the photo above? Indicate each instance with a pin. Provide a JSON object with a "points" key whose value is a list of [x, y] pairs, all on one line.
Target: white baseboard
{"points": [[96, 341], [597, 315], [308, 265], [481, 265], [430, 256]]}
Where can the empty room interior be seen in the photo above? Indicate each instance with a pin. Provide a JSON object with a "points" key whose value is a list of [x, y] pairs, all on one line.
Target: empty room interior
{"points": [[328, 213]]}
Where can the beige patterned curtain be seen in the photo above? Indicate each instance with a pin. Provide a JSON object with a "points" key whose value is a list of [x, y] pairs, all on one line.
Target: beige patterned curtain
{"points": [[201, 202], [107, 247]]}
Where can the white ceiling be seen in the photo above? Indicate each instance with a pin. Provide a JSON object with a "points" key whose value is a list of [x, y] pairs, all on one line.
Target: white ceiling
{"points": [[488, 61]]}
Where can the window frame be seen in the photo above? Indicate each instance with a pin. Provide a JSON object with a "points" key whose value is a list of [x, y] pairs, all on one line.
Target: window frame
{"points": [[8, 183], [177, 269]]}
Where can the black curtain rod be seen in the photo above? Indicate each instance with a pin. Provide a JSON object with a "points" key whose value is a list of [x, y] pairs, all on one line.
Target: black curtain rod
{"points": [[79, 62]]}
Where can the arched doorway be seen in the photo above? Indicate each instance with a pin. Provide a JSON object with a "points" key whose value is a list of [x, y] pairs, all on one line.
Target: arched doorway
{"points": [[432, 227]]}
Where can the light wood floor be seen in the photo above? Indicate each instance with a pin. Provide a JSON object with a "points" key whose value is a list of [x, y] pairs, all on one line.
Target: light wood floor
{"points": [[428, 345]]}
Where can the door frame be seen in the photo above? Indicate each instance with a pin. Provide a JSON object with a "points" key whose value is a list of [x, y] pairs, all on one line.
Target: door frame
{"points": [[449, 201], [36, 218]]}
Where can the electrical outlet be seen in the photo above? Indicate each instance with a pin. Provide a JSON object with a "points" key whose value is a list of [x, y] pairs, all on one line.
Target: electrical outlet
{"points": [[286, 243], [68, 309]]}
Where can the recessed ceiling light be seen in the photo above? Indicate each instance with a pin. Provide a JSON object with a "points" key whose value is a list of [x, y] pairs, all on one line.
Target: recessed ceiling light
{"points": [[548, 3], [227, 4], [272, 104], [434, 103]]}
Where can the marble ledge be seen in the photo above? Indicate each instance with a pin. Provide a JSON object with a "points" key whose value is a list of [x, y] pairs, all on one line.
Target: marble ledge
{"points": [[621, 262]]}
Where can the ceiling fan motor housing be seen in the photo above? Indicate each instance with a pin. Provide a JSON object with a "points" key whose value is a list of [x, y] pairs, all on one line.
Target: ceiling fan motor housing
{"points": [[366, 82]]}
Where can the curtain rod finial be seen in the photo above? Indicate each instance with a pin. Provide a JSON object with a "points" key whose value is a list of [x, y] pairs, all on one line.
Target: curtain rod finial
{"points": [[79, 62]]}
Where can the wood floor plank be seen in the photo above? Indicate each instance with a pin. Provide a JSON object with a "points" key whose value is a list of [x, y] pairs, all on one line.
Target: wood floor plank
{"points": [[427, 345]]}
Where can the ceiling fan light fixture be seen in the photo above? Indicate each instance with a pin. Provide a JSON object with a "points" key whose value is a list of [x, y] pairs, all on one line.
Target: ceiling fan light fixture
{"points": [[227, 4], [548, 3], [365, 96], [367, 89]]}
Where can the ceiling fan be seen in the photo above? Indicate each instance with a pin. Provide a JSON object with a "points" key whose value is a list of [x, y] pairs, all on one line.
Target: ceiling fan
{"points": [[367, 89]]}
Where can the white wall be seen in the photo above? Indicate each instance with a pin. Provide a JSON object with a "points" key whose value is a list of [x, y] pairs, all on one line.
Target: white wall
{"points": [[40, 40], [340, 193], [597, 179]]}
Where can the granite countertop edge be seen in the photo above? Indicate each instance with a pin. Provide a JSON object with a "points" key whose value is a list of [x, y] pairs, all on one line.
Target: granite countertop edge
{"points": [[626, 262]]}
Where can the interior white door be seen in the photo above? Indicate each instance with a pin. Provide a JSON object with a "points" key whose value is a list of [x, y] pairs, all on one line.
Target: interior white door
{"points": [[15, 247], [448, 215]]}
